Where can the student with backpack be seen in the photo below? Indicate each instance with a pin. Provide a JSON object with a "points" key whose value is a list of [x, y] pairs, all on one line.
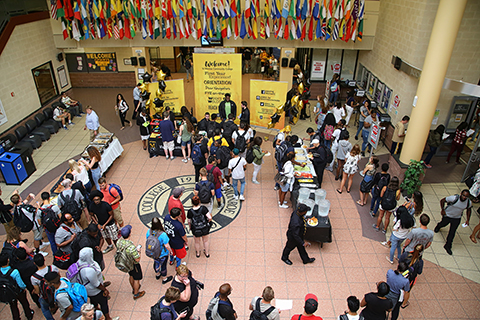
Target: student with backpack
{"points": [[69, 297], [214, 174], [402, 223], [380, 180], [164, 310], [262, 308], [199, 154], [220, 307], [12, 289], [40, 286], [72, 202], [14, 241], [241, 138], [389, 195], [257, 160], [229, 127], [236, 168], [158, 249], [217, 136], [27, 268], [199, 222], [176, 232], [367, 182], [223, 156], [6, 217], [51, 219], [205, 190], [112, 194]]}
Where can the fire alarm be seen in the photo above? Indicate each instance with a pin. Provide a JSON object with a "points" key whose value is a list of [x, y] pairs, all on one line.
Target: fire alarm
{"points": [[13, 94]]}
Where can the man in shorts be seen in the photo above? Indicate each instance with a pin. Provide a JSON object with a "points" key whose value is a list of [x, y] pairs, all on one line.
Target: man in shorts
{"points": [[133, 253], [60, 114], [176, 233], [112, 197], [167, 129], [102, 214]]}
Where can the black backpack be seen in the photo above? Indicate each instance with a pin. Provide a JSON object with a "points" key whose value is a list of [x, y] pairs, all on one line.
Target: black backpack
{"points": [[249, 157], [223, 154], [10, 249], [281, 152], [50, 219], [46, 292], [210, 176], [389, 199], [228, 128], [188, 64], [256, 314], [329, 154], [9, 288], [383, 182], [211, 126], [21, 220], [199, 222], [197, 154], [156, 311], [241, 142], [71, 206], [204, 191]]}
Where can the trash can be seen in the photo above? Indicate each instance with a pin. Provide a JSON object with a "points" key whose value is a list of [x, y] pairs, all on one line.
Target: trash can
{"points": [[12, 168], [27, 158]]}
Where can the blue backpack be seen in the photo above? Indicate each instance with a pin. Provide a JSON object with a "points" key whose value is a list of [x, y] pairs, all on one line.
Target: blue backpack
{"points": [[76, 292], [117, 187], [196, 154]]}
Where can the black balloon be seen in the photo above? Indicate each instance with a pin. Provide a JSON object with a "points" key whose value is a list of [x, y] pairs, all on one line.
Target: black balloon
{"points": [[162, 85], [294, 112], [146, 77], [288, 105], [275, 118], [158, 103], [306, 95], [145, 95]]}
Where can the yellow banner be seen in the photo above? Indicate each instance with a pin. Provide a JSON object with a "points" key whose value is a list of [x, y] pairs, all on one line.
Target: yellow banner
{"points": [[216, 75], [174, 95], [265, 97]]}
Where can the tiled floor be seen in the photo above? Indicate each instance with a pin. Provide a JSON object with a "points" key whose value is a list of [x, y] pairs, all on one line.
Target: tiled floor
{"points": [[247, 252]]}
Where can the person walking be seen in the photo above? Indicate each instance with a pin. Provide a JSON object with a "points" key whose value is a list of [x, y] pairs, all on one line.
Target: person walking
{"points": [[136, 100], [258, 155], [92, 123], [295, 236], [216, 173], [350, 168], [414, 262], [188, 64], [452, 214], [236, 168], [434, 141], [458, 142], [121, 107], [143, 121], [389, 195]]}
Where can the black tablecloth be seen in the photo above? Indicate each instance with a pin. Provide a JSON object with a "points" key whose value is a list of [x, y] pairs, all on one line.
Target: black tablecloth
{"points": [[155, 147]]}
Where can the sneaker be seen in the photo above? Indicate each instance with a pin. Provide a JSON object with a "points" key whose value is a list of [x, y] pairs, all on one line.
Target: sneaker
{"points": [[283, 206], [388, 259], [167, 279], [189, 159], [71, 123], [375, 227], [220, 206], [236, 197], [242, 198], [184, 160], [285, 202], [276, 188], [384, 231], [65, 127], [329, 169], [43, 253], [44, 244], [108, 249], [78, 116], [372, 214], [173, 157], [255, 181], [384, 243], [429, 166], [184, 263], [138, 295], [166, 157], [356, 137]]}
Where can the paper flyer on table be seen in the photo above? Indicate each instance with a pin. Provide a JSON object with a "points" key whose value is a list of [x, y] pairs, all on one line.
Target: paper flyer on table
{"points": [[282, 304], [470, 132]]}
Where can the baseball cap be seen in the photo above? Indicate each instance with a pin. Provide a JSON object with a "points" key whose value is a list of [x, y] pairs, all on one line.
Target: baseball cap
{"points": [[236, 151], [126, 231], [315, 141], [311, 303], [178, 191], [303, 207]]}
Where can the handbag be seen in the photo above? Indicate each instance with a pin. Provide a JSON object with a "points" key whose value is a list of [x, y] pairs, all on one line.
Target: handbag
{"points": [[62, 260], [281, 179], [366, 186]]}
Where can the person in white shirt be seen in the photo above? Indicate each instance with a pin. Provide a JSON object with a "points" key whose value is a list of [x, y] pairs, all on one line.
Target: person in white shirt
{"points": [[335, 138], [236, 169], [338, 111], [69, 102], [122, 107], [245, 134], [60, 114], [353, 305], [92, 123]]}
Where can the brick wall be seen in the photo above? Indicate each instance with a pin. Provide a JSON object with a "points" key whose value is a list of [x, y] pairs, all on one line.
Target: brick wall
{"points": [[103, 80]]}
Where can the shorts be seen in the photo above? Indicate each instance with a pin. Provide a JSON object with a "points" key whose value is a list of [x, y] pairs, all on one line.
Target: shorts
{"points": [[170, 145], [180, 253], [285, 188], [145, 137], [185, 143], [110, 232], [218, 193], [209, 205], [38, 233], [99, 299], [224, 172], [117, 215], [381, 208], [136, 273]]}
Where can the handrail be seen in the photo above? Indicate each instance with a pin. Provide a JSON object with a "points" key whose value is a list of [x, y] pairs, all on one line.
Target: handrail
{"points": [[18, 20]]}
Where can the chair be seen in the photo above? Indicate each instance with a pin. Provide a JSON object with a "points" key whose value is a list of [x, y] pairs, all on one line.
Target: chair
{"points": [[48, 113], [23, 136], [51, 125], [43, 133]]}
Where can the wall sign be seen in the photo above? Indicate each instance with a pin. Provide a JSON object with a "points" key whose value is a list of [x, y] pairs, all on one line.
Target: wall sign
{"points": [[102, 62], [318, 69]]}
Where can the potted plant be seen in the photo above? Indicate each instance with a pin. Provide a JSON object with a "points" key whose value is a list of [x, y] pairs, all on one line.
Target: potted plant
{"points": [[413, 177]]}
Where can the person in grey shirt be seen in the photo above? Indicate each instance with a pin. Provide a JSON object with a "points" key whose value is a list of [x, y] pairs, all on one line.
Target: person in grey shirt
{"points": [[421, 235], [79, 199], [62, 298], [265, 304], [364, 112], [66, 233], [452, 215]]}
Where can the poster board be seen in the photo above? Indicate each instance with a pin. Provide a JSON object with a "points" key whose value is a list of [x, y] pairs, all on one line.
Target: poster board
{"points": [[76, 62], [216, 75], [102, 62], [174, 95], [3, 115], [265, 97]]}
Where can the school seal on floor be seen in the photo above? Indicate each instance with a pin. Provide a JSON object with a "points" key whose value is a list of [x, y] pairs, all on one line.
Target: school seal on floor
{"points": [[154, 203]]}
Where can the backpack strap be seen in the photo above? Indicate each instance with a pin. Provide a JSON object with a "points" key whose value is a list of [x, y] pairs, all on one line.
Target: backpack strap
{"points": [[239, 159], [68, 229]]}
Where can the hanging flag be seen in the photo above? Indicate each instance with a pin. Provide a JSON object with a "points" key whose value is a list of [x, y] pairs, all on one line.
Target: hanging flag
{"points": [[254, 28], [236, 30], [355, 11], [286, 33], [144, 29], [304, 12], [189, 9], [175, 13], [218, 30], [360, 20], [75, 31], [156, 31], [243, 30], [323, 11], [164, 30], [229, 28], [318, 30], [292, 32], [64, 28], [267, 28], [233, 8], [211, 29], [304, 30], [224, 28], [168, 29], [76, 12], [181, 9], [253, 8], [205, 29], [310, 29], [67, 7], [53, 9], [280, 29], [298, 10], [174, 29], [291, 11], [262, 28], [221, 8], [209, 9], [227, 9], [248, 10], [132, 28], [182, 29], [195, 12], [316, 10], [285, 8], [299, 29], [121, 31], [215, 9]]}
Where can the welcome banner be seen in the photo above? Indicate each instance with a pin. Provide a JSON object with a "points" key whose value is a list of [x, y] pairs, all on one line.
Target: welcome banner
{"points": [[173, 97], [216, 75], [265, 97]]}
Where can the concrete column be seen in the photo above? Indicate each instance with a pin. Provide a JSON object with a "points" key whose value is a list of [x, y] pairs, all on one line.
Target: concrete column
{"points": [[286, 73], [440, 48]]}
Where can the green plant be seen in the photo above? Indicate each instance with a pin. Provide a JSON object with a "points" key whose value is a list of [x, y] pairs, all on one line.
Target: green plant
{"points": [[411, 181]]}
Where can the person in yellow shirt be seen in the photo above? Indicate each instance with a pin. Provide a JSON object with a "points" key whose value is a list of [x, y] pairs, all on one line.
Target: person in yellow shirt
{"points": [[216, 137]]}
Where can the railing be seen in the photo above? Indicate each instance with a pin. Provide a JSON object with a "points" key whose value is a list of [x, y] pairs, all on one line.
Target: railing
{"points": [[14, 8]]}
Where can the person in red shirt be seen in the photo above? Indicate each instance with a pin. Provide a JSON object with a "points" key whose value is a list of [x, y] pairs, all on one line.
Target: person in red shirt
{"points": [[175, 202], [112, 197], [217, 177], [311, 305]]}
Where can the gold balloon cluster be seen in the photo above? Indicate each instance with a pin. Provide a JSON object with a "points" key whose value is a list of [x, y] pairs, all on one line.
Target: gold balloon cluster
{"points": [[294, 105], [150, 105]]}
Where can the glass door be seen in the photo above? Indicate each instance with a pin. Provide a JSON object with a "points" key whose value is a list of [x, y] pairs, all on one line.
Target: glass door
{"points": [[45, 82], [462, 109]]}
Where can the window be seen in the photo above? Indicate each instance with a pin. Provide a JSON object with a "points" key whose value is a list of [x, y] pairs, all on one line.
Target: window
{"points": [[326, 62], [334, 63], [348, 64], [319, 60], [45, 82]]}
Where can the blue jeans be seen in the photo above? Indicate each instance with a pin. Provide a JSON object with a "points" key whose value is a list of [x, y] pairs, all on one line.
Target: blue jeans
{"points": [[333, 96], [360, 127], [430, 155], [396, 244], [242, 186], [160, 264], [365, 134], [328, 143], [96, 174], [51, 239], [279, 169], [45, 309], [375, 203]]}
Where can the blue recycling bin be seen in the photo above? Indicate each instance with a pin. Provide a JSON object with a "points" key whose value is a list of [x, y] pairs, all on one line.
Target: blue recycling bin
{"points": [[12, 168]]}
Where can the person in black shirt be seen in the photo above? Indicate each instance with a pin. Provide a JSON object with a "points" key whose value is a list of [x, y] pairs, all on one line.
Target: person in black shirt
{"points": [[245, 112], [319, 161], [91, 238], [6, 217], [200, 140], [376, 304], [187, 285], [203, 124], [295, 236], [102, 214], [225, 310], [26, 268]]}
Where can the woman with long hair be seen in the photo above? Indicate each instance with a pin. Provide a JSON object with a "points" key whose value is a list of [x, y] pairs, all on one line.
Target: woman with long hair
{"points": [[367, 182], [160, 263], [186, 132], [258, 155], [415, 263], [415, 204], [77, 168], [389, 197], [350, 167], [458, 142], [288, 172], [376, 303], [122, 107], [320, 111], [402, 223], [199, 222], [93, 165], [435, 140]]}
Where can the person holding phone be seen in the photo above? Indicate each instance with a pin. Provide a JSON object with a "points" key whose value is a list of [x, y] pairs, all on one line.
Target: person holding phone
{"points": [[171, 296], [188, 287]]}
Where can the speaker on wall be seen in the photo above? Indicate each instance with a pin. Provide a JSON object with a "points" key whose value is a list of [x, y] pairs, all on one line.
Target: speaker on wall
{"points": [[142, 62], [292, 63], [134, 61], [398, 63], [284, 62], [60, 57]]}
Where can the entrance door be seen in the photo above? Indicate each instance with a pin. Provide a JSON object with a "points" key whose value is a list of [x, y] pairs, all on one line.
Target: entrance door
{"points": [[463, 109]]}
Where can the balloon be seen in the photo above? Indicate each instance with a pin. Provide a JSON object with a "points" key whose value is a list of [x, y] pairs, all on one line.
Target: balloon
{"points": [[158, 103], [146, 77], [295, 100], [300, 105], [280, 108], [306, 95], [294, 112], [286, 129], [300, 88], [275, 118], [158, 93], [288, 105], [143, 87], [145, 95], [161, 75], [270, 125], [162, 85], [295, 120]]}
